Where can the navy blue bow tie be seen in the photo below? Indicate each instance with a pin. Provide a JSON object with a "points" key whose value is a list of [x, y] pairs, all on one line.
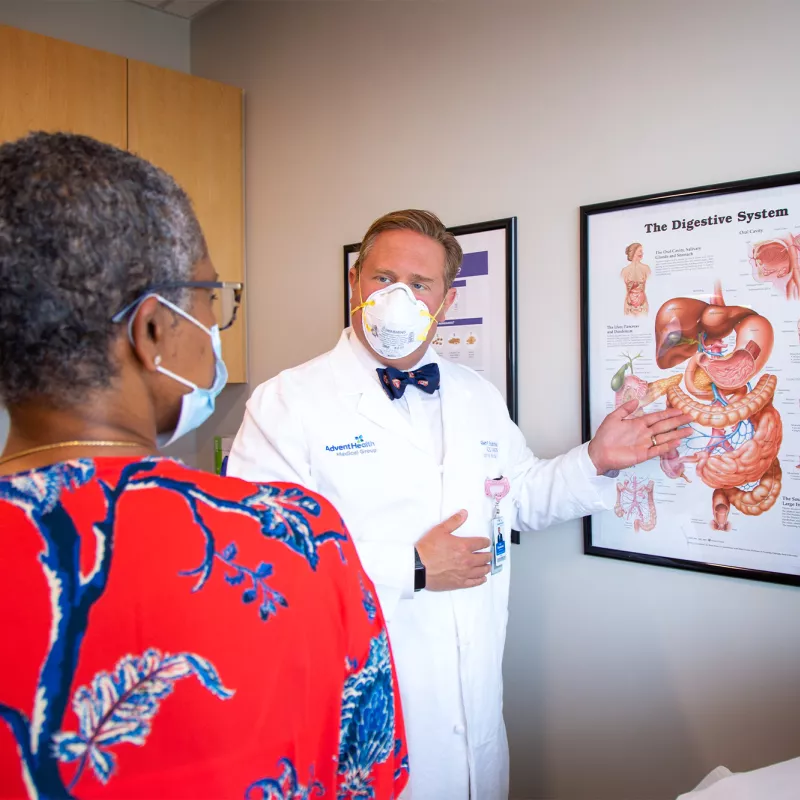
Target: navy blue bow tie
{"points": [[394, 381]]}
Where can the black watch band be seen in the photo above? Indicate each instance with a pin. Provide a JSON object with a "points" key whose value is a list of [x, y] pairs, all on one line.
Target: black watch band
{"points": [[419, 572]]}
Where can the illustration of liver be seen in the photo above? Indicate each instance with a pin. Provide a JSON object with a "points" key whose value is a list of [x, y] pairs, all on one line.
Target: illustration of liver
{"points": [[739, 457]]}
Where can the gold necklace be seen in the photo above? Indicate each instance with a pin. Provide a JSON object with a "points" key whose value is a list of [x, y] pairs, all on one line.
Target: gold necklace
{"points": [[74, 443]]}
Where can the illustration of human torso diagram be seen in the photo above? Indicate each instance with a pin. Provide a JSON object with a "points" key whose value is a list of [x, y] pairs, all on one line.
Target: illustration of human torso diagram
{"points": [[696, 305]]}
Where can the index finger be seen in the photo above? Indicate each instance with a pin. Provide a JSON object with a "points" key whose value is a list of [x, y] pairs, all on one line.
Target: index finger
{"points": [[455, 522], [625, 409]]}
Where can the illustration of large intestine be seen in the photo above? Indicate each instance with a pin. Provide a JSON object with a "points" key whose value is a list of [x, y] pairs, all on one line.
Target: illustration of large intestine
{"points": [[738, 458], [635, 276], [775, 261], [635, 500]]}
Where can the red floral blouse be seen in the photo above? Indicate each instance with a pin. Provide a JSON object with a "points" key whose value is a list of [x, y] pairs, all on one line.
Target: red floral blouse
{"points": [[169, 633]]}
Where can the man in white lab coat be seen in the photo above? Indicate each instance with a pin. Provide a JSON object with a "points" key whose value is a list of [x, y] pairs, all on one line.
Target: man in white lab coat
{"points": [[398, 440]]}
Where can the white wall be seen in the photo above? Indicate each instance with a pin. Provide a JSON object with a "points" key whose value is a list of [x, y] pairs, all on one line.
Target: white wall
{"points": [[125, 29], [622, 680]]}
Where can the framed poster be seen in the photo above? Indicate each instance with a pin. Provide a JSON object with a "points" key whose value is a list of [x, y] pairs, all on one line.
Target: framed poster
{"points": [[692, 299], [481, 326]]}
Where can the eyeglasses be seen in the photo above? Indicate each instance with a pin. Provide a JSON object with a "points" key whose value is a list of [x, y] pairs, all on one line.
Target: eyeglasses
{"points": [[226, 296]]}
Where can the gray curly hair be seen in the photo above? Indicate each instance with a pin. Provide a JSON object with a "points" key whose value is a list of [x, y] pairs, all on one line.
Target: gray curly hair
{"points": [[85, 229]]}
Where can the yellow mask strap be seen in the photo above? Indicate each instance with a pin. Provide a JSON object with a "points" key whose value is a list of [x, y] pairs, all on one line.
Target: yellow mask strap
{"points": [[424, 335], [362, 304]]}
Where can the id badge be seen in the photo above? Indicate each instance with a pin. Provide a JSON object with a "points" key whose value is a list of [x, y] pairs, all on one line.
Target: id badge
{"points": [[498, 544], [496, 489]]}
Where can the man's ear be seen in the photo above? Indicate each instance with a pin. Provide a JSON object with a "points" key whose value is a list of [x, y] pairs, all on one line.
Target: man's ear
{"points": [[449, 299], [148, 332]]}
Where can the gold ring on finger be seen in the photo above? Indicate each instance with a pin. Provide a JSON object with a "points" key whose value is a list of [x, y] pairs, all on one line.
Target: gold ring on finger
{"points": [[653, 440]]}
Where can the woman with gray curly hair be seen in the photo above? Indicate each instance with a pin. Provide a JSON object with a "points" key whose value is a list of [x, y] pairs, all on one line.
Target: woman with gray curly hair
{"points": [[166, 632]]}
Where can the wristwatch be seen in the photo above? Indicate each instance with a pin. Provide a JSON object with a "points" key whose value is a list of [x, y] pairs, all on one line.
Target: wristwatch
{"points": [[419, 572]]}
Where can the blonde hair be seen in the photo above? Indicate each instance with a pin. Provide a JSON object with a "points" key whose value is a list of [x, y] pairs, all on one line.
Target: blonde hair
{"points": [[630, 250], [424, 222]]}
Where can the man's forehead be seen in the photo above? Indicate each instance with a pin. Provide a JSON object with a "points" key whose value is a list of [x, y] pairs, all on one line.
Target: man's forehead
{"points": [[404, 249]]}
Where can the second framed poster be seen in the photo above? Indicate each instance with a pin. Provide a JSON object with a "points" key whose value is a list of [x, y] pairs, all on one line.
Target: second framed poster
{"points": [[481, 326], [691, 300]]}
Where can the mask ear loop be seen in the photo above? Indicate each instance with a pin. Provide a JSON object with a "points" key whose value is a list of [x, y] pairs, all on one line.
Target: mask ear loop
{"points": [[363, 304], [157, 361], [424, 335]]}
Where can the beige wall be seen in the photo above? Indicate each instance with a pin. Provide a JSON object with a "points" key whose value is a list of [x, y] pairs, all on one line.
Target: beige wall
{"points": [[622, 680]]}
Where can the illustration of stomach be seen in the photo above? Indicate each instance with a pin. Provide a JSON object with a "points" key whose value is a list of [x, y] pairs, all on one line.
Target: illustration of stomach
{"points": [[738, 431]]}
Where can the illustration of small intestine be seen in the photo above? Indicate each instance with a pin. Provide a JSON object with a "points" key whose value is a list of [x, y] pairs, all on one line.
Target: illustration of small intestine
{"points": [[632, 387], [635, 500], [775, 261]]}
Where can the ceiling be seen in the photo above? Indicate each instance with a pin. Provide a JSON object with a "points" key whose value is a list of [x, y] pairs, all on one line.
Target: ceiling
{"points": [[179, 8]]}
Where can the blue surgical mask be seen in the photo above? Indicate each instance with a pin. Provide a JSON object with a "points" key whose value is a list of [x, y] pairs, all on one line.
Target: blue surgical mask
{"points": [[198, 404]]}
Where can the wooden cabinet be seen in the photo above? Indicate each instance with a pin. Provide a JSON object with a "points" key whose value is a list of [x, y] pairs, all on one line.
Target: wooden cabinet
{"points": [[50, 85], [192, 128]]}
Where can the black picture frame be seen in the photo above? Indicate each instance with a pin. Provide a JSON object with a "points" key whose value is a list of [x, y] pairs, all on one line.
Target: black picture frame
{"points": [[685, 198]]}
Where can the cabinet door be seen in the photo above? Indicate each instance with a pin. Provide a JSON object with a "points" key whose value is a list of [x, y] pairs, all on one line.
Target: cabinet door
{"points": [[192, 128], [49, 85]]}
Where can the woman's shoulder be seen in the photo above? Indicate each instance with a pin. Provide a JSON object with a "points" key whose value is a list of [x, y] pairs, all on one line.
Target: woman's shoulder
{"points": [[169, 473], [260, 494], [279, 516], [285, 513]]}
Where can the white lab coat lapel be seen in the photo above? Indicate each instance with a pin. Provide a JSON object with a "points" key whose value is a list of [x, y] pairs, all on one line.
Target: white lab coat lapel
{"points": [[374, 404]]}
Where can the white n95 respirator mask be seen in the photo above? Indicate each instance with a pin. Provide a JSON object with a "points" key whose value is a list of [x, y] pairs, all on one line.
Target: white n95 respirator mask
{"points": [[395, 323]]}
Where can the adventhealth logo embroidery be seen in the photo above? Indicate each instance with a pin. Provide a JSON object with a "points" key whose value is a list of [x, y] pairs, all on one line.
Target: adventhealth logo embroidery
{"points": [[357, 447]]}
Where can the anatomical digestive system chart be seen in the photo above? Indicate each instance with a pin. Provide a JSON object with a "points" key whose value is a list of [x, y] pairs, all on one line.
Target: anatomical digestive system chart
{"points": [[695, 305]]}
